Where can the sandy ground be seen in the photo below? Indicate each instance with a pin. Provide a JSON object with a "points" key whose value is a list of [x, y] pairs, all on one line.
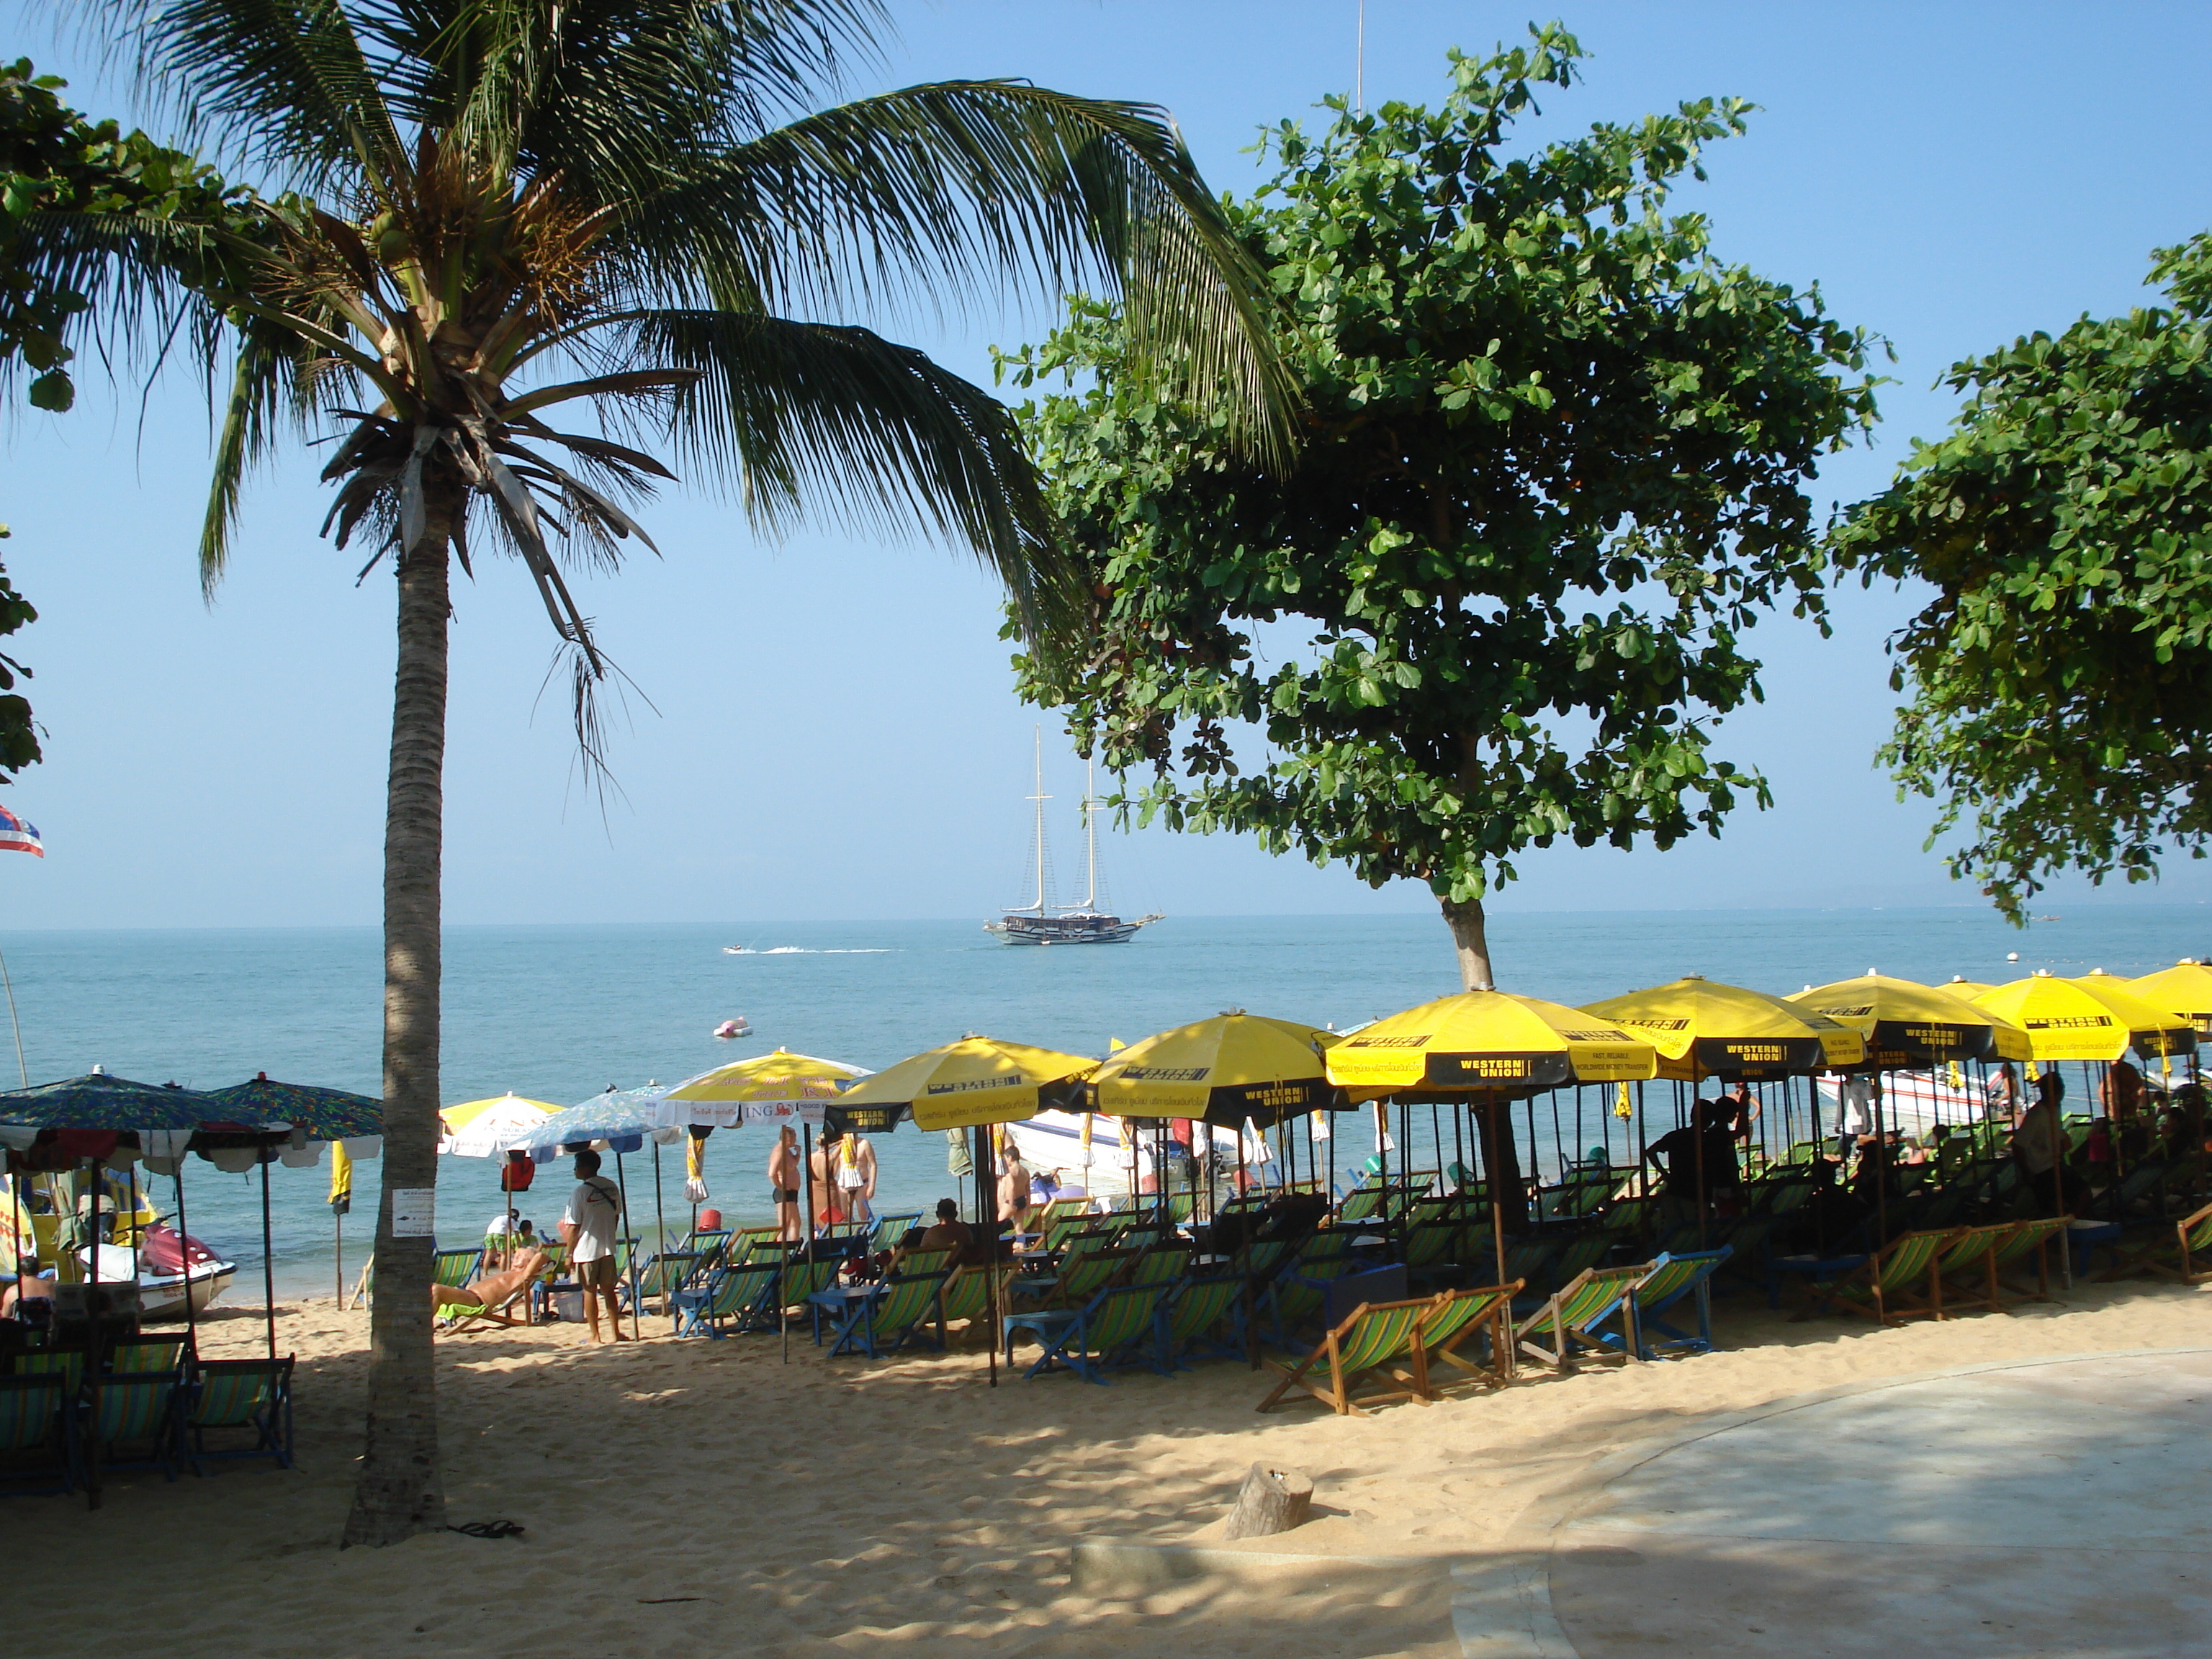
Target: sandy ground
{"points": [[688, 1497]]}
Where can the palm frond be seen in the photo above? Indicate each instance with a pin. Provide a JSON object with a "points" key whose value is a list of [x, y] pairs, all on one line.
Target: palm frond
{"points": [[835, 419], [266, 396], [282, 83], [949, 190]]}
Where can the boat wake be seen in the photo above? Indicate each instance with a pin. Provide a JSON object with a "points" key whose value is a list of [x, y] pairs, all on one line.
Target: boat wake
{"points": [[807, 951]]}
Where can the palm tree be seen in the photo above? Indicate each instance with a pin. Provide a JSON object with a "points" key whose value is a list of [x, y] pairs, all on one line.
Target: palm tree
{"points": [[498, 216]]}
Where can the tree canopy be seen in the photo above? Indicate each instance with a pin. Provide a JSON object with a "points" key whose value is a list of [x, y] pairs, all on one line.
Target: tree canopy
{"points": [[1554, 466], [2060, 679]]}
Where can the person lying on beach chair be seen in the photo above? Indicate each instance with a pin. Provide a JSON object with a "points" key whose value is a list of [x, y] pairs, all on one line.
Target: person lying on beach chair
{"points": [[489, 1296]]}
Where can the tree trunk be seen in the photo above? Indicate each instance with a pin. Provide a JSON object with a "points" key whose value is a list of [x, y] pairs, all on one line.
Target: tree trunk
{"points": [[1270, 1501], [1472, 942], [398, 1493]]}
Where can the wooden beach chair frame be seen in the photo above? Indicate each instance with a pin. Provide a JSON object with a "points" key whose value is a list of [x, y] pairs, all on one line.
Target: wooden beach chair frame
{"points": [[1880, 1286], [1967, 1251], [2185, 1259], [1575, 1314], [1376, 1337], [2036, 1235], [1459, 1317]]}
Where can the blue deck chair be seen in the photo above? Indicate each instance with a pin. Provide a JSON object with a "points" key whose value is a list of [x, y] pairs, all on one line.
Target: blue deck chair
{"points": [[1116, 1327], [1202, 1317], [250, 1395], [888, 1321], [738, 1295], [35, 1411], [1672, 1278]]}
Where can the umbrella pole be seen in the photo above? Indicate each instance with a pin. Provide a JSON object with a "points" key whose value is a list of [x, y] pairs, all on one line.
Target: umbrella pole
{"points": [[987, 1213], [92, 1365], [268, 1265], [185, 1264], [636, 1330], [660, 1226], [337, 1226]]}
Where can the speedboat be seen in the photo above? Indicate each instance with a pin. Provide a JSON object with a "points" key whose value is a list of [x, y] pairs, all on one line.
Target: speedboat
{"points": [[167, 1269], [734, 1028]]}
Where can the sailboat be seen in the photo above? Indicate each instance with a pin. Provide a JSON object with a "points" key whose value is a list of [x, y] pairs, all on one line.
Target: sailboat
{"points": [[1041, 922]]}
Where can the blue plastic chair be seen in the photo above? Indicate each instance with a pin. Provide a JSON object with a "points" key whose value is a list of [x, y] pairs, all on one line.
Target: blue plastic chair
{"points": [[1115, 1327]]}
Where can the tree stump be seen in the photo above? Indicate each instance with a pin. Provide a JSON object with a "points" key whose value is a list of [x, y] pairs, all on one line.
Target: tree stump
{"points": [[1271, 1501]]}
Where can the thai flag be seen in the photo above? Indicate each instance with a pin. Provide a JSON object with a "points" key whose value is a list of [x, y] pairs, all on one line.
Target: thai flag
{"points": [[19, 835]]}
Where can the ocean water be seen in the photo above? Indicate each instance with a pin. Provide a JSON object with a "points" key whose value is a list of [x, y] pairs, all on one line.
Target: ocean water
{"points": [[557, 1013]]}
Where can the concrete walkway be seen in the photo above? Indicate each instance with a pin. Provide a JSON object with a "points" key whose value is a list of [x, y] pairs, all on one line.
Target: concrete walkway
{"points": [[2055, 1507]]}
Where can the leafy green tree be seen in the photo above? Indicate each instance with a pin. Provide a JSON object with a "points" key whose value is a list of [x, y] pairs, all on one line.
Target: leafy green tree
{"points": [[508, 221], [1554, 465], [2061, 675], [53, 160]]}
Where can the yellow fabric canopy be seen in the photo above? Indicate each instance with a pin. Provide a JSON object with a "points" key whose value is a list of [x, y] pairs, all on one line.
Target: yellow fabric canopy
{"points": [[2093, 1017], [767, 1079], [2185, 989], [1485, 1042], [977, 1079], [1908, 1024], [1234, 1068], [1704, 1029], [484, 1128]]}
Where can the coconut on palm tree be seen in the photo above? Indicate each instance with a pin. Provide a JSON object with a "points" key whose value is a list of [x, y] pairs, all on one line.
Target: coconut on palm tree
{"points": [[522, 259]]}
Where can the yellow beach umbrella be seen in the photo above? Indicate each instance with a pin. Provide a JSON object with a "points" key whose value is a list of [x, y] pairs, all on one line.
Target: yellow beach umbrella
{"points": [[1484, 1042], [2094, 1017], [2185, 989], [486, 1128], [1233, 1069], [1703, 1029], [978, 1079], [1909, 1026], [774, 1085], [1964, 988]]}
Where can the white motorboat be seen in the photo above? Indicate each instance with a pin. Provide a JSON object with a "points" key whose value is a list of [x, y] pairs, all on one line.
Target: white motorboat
{"points": [[734, 1028], [162, 1278]]}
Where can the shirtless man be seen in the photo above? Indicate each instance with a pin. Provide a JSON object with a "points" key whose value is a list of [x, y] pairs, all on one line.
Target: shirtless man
{"points": [[492, 1289], [1014, 1197], [783, 1182]]}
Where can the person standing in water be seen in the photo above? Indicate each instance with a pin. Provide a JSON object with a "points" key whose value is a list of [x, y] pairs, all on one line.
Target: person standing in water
{"points": [[783, 1184]]}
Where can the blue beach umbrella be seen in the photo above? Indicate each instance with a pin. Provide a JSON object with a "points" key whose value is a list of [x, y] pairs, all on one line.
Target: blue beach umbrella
{"points": [[319, 1113], [98, 1103], [621, 1117]]}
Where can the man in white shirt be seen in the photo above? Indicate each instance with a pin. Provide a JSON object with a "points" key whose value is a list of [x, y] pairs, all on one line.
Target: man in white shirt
{"points": [[590, 1227]]}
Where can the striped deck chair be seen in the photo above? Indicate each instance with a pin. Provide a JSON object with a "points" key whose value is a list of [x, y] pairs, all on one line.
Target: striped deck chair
{"points": [[890, 1318], [1965, 1269], [738, 1295], [709, 1245], [1114, 1327], [1202, 1316], [2186, 1257], [1574, 1316], [1433, 1247], [35, 1410], [1377, 1337], [1637, 1215], [135, 1407], [1673, 1279], [967, 1295], [926, 1262], [661, 1276], [1460, 1317], [254, 1395], [2026, 1239], [1295, 1295], [1182, 1206], [1361, 1204], [799, 1279], [68, 1364], [745, 1244], [889, 1229], [146, 1353], [1079, 1279], [1897, 1282], [1161, 1265], [456, 1267], [515, 1310]]}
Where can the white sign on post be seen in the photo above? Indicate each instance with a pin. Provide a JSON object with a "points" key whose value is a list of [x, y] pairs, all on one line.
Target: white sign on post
{"points": [[414, 1212]]}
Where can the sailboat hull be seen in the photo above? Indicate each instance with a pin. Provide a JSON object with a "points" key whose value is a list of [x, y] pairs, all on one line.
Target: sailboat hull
{"points": [[1065, 930]]}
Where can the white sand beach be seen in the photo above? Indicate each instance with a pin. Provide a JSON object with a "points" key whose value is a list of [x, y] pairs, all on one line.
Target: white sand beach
{"points": [[703, 1497]]}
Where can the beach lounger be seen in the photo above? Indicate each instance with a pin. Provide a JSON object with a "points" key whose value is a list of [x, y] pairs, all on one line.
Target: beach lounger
{"points": [[1460, 1317], [926, 1261], [67, 1364], [1161, 1265], [146, 1353], [1295, 1295], [456, 1267], [1673, 1279], [2185, 1257], [889, 1229], [1966, 1271], [1202, 1316], [515, 1311], [1379, 1339], [37, 1409], [967, 1294], [737, 1296], [1115, 1327], [254, 1395], [884, 1323], [2022, 1240], [1894, 1283], [659, 1277], [1079, 1279], [134, 1407], [1575, 1317]]}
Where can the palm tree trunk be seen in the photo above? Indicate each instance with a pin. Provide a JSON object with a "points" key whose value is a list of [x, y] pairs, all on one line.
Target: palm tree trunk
{"points": [[1470, 939], [398, 1492]]}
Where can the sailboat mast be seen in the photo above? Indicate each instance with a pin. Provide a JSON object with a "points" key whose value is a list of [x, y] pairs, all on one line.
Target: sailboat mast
{"points": [[1090, 828], [1040, 798]]}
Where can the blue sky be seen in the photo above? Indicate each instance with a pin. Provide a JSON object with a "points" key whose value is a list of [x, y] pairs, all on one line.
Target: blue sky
{"points": [[835, 735]]}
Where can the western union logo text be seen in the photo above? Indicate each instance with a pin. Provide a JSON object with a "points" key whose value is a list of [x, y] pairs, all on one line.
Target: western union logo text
{"points": [[1771, 1054], [1596, 1037], [974, 1084], [1166, 1073], [1386, 1043], [2070, 1023], [1478, 1066], [1658, 1024]]}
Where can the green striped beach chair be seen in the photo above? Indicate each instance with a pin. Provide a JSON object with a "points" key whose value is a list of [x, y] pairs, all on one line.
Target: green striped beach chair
{"points": [[1896, 1283], [1575, 1317], [926, 1262], [135, 1407], [1079, 1279], [2026, 1239], [456, 1267], [737, 1296], [967, 1297], [1202, 1316], [800, 1280], [746, 1243], [1296, 1296], [1672, 1279], [661, 1276], [2186, 1257], [1462, 1316], [67, 1364], [1377, 1337], [37, 1410], [233, 1396], [884, 1323], [1965, 1269], [163, 1352], [1114, 1327]]}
